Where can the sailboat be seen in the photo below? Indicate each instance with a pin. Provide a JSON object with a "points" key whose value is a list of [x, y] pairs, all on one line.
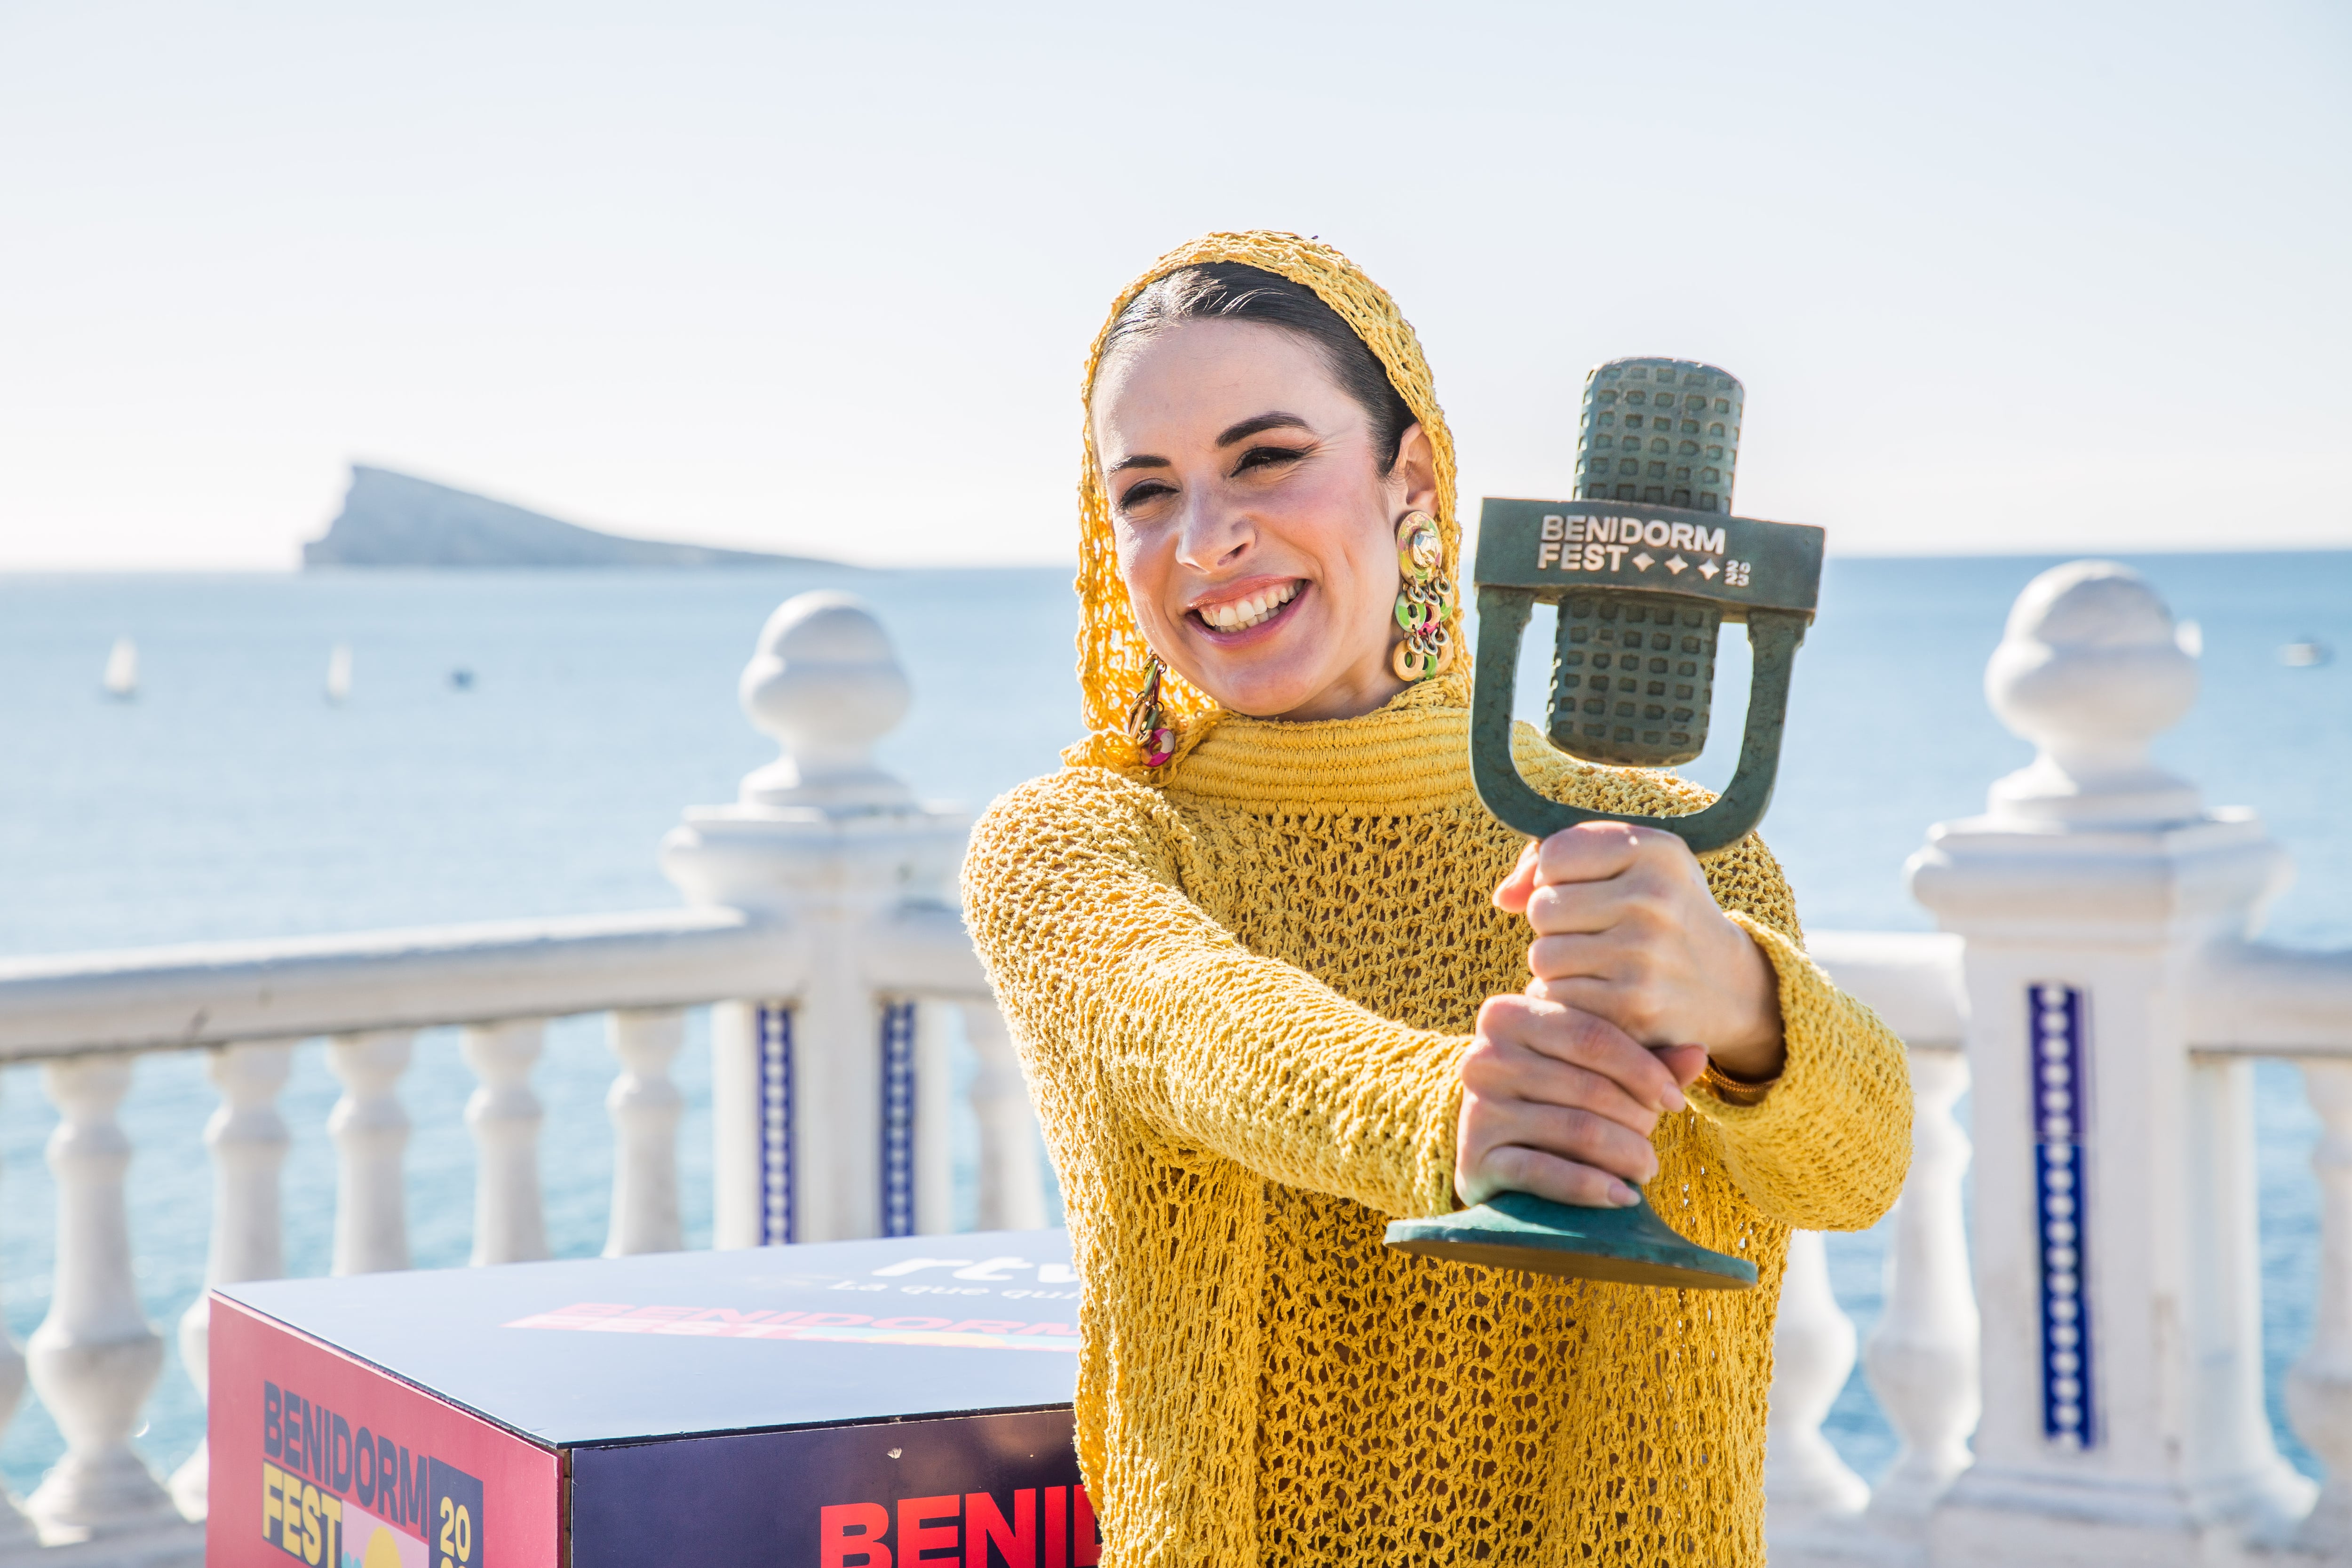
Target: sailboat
{"points": [[122, 670], [338, 673]]}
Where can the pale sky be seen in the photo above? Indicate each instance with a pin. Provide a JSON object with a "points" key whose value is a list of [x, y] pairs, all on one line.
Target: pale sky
{"points": [[1998, 276]]}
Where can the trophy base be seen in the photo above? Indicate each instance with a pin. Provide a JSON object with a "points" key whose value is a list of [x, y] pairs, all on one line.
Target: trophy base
{"points": [[1629, 1246]]}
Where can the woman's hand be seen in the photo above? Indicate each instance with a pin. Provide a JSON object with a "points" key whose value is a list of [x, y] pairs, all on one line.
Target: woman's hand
{"points": [[1640, 979], [1560, 1103], [1627, 931]]}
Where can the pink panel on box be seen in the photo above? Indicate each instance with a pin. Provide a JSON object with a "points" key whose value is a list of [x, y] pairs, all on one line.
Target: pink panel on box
{"points": [[322, 1459]]}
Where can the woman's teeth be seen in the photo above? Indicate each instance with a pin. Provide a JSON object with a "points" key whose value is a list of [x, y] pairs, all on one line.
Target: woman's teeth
{"points": [[1243, 613]]}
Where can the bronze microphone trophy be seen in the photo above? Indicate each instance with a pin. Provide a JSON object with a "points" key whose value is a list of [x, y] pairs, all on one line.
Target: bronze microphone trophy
{"points": [[1645, 565]]}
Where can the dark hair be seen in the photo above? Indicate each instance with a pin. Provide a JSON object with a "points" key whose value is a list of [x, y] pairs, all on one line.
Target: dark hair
{"points": [[1236, 291]]}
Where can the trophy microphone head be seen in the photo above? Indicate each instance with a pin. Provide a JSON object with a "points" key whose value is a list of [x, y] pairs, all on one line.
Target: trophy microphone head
{"points": [[1666, 431], [1633, 675]]}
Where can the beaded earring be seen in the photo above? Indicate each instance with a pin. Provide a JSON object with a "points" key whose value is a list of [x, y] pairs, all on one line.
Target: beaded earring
{"points": [[1424, 601], [1145, 725]]}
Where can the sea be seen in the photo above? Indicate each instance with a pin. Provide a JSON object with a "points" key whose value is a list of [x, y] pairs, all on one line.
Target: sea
{"points": [[516, 744]]}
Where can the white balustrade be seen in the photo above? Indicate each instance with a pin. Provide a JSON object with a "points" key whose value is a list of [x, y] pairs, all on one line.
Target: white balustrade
{"points": [[370, 1127], [2122, 1413], [1012, 1164], [826, 889], [2099, 924], [1921, 1360], [645, 1106], [2319, 1389], [248, 1140], [16, 1529], [95, 1357], [2109, 988], [210, 994], [1813, 1354], [504, 1114]]}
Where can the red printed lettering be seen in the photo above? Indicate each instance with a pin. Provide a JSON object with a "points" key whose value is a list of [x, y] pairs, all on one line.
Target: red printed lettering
{"points": [[1085, 1543], [984, 1527], [832, 1320], [728, 1315], [849, 1535], [1058, 1527], [1046, 1329], [910, 1322], [918, 1538]]}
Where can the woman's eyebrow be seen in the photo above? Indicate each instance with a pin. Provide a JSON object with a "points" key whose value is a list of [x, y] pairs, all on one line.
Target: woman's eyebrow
{"points": [[1138, 461], [1249, 427]]}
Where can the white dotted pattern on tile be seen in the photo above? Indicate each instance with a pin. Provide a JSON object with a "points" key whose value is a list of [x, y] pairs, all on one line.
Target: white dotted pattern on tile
{"points": [[2055, 1027]]}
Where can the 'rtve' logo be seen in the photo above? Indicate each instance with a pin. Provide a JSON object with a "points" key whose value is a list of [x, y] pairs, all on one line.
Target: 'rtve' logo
{"points": [[953, 1529]]}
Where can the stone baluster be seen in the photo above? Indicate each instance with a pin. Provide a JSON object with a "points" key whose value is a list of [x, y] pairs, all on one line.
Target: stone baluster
{"points": [[504, 1113], [2319, 1389], [645, 1106], [1922, 1357], [248, 1141], [16, 1529], [1813, 1354], [1011, 1185], [370, 1127], [95, 1357]]}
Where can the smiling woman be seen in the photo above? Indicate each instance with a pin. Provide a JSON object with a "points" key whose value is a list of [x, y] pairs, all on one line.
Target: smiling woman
{"points": [[1277, 977], [1252, 475]]}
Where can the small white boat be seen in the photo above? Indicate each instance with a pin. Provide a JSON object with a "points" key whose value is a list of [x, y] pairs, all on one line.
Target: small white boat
{"points": [[2306, 654], [338, 673], [122, 670]]}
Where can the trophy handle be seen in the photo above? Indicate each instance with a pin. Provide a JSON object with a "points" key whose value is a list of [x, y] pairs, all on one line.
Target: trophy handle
{"points": [[1773, 640]]}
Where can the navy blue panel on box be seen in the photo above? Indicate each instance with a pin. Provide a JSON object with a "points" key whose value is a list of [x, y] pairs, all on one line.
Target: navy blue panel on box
{"points": [[1000, 1489], [612, 1349]]}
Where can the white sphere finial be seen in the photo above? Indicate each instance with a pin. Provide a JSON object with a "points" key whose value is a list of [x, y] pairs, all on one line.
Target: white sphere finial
{"points": [[2090, 669], [825, 682]]}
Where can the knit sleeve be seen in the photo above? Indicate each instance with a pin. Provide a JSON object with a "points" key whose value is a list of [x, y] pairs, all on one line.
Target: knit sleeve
{"points": [[1828, 1145], [1114, 980]]}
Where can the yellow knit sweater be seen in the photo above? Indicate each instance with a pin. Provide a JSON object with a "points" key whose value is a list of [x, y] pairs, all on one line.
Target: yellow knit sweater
{"points": [[1240, 992]]}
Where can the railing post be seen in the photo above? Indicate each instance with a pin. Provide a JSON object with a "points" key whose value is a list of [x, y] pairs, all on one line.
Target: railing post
{"points": [[95, 1357], [1812, 1354], [1012, 1176], [645, 1106], [1921, 1360], [2121, 1369], [504, 1113], [829, 841], [2319, 1389], [248, 1140], [370, 1127]]}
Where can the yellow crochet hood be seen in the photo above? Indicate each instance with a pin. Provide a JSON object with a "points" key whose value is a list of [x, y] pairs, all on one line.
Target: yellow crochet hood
{"points": [[1111, 649]]}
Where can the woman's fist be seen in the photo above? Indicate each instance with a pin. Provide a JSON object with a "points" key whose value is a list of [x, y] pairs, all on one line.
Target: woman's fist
{"points": [[1627, 931], [1560, 1103]]}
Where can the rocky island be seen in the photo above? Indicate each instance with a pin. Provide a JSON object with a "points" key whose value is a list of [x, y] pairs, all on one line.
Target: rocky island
{"points": [[395, 520]]}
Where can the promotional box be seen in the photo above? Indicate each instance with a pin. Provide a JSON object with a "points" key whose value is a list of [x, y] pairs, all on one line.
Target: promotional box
{"points": [[855, 1404]]}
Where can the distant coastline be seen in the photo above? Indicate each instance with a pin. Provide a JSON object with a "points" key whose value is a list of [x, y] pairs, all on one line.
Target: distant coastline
{"points": [[397, 520]]}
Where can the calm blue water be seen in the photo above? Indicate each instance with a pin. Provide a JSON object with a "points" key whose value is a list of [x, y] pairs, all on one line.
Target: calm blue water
{"points": [[230, 800]]}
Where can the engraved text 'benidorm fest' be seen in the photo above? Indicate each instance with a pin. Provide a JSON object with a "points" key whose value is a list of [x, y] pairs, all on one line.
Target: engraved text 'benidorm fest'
{"points": [[1602, 542]]}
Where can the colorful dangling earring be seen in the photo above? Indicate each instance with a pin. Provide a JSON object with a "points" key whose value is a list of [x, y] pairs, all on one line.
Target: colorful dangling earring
{"points": [[1145, 724], [1424, 601]]}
